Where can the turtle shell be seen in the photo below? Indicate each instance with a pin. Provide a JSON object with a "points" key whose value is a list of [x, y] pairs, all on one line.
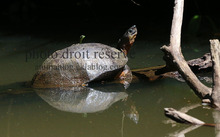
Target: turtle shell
{"points": [[79, 64]]}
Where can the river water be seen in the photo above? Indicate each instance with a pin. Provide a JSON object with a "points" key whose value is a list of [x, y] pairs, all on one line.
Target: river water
{"points": [[100, 111]]}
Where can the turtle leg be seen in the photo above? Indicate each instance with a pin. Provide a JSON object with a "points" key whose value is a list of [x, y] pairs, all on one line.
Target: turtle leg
{"points": [[124, 51], [125, 76]]}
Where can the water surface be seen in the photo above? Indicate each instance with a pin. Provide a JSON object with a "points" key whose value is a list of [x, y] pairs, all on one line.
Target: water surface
{"points": [[104, 110]]}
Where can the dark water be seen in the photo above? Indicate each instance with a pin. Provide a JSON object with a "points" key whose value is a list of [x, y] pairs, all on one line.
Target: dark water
{"points": [[101, 111]]}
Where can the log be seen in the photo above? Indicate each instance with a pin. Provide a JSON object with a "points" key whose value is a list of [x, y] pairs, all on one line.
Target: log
{"points": [[184, 109], [181, 117], [215, 53], [200, 65]]}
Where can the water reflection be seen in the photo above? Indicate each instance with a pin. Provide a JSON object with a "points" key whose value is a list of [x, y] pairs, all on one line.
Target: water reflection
{"points": [[185, 130], [88, 100], [182, 132], [216, 116], [80, 99]]}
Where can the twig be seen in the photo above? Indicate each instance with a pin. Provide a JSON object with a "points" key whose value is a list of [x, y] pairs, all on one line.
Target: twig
{"points": [[9, 117], [135, 3], [122, 124]]}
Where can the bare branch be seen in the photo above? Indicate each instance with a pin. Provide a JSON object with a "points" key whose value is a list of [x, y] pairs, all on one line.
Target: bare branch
{"points": [[174, 55], [135, 3]]}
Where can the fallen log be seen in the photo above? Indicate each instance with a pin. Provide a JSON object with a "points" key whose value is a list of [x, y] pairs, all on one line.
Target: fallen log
{"points": [[199, 65], [181, 117], [184, 118]]}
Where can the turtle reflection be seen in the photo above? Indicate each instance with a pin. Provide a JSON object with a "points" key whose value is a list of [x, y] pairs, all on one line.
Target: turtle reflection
{"points": [[80, 99], [86, 100]]}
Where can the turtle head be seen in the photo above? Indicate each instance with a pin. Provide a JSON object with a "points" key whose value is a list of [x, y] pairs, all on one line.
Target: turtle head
{"points": [[127, 40]]}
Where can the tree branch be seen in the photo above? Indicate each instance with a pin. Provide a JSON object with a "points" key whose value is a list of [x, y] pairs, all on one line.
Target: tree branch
{"points": [[215, 54], [174, 57]]}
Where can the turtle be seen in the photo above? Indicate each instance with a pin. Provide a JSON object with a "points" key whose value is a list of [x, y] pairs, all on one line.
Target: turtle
{"points": [[83, 63]]}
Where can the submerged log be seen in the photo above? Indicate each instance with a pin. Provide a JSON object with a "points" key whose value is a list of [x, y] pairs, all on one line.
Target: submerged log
{"points": [[147, 74]]}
